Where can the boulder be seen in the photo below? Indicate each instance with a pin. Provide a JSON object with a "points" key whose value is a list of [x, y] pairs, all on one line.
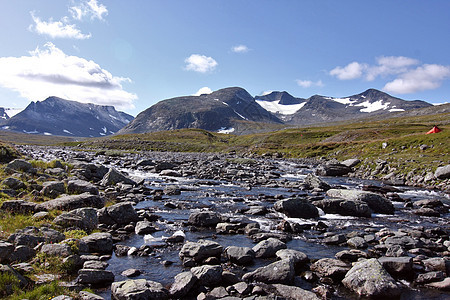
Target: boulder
{"points": [[84, 295], [144, 227], [53, 188], [357, 242], [113, 177], [22, 253], [204, 219], [19, 207], [351, 255], [281, 271], [404, 242], [368, 278], [83, 218], [329, 267], [333, 170], [94, 276], [78, 186], [31, 236], [5, 251], [182, 285], [95, 264], [99, 242], [293, 292], [296, 208], [240, 255], [299, 258], [73, 202], [268, 248], [120, 213], [443, 285], [13, 183], [314, 182], [131, 273], [442, 172], [377, 203], [208, 275], [354, 208], [61, 250], [138, 289], [198, 251], [20, 165], [398, 266], [352, 162]]}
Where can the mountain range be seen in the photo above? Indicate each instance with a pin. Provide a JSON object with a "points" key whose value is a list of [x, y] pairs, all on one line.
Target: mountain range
{"points": [[221, 111], [56, 116]]}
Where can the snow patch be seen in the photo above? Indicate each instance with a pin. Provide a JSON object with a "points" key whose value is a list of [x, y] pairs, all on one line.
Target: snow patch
{"points": [[345, 101], [396, 109], [105, 130], [5, 127], [47, 133], [67, 131], [11, 112], [371, 107], [276, 107], [225, 130], [31, 132]]}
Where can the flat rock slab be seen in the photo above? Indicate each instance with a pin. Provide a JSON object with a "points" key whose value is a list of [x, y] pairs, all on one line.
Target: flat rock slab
{"points": [[73, 202]]}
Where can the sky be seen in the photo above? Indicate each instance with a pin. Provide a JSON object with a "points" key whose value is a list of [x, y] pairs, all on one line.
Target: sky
{"points": [[134, 53]]}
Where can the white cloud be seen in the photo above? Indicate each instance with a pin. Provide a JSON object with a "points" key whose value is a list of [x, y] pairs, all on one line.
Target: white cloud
{"points": [[309, 83], [57, 29], [203, 90], [351, 71], [240, 49], [91, 9], [50, 72], [388, 65], [425, 77], [200, 63]]}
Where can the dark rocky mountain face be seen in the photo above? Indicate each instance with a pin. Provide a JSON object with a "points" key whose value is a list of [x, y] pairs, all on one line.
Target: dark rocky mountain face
{"points": [[56, 116], [283, 98], [215, 111], [3, 116]]}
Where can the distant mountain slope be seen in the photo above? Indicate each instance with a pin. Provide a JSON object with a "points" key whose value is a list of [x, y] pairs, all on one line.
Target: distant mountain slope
{"points": [[3, 116], [214, 112], [56, 116]]}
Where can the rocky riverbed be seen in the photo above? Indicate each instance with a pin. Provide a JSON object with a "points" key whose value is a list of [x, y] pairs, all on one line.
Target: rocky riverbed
{"points": [[216, 226]]}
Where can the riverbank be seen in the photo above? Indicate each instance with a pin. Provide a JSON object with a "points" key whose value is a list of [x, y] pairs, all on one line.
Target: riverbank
{"points": [[217, 225]]}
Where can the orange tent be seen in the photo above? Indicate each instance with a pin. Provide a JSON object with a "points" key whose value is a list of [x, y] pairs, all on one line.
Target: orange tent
{"points": [[435, 129]]}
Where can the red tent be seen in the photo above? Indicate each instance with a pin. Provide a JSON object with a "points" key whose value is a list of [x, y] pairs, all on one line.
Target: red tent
{"points": [[435, 129]]}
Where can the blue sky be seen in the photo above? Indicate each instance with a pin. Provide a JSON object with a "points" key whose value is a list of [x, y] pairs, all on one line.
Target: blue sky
{"points": [[132, 53]]}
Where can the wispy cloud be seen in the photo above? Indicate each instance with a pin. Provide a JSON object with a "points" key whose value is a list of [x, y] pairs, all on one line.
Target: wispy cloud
{"points": [[88, 9], [404, 74], [200, 63], [309, 83], [57, 29], [50, 72], [203, 90], [240, 49]]}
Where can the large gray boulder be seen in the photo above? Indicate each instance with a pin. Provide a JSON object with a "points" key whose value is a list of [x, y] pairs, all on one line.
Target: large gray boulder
{"points": [[120, 213], [377, 203], [333, 170], [19, 207], [138, 289], [114, 177], [329, 267], [281, 271], [268, 248], [293, 292], [99, 242], [204, 219], [20, 165], [240, 255], [398, 266], [296, 208], [61, 250], [198, 251], [354, 208], [368, 278], [83, 218], [31, 236], [208, 275], [299, 258], [442, 172], [314, 182], [94, 276], [5, 251], [53, 188], [13, 183], [182, 285], [79, 186], [73, 202]]}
